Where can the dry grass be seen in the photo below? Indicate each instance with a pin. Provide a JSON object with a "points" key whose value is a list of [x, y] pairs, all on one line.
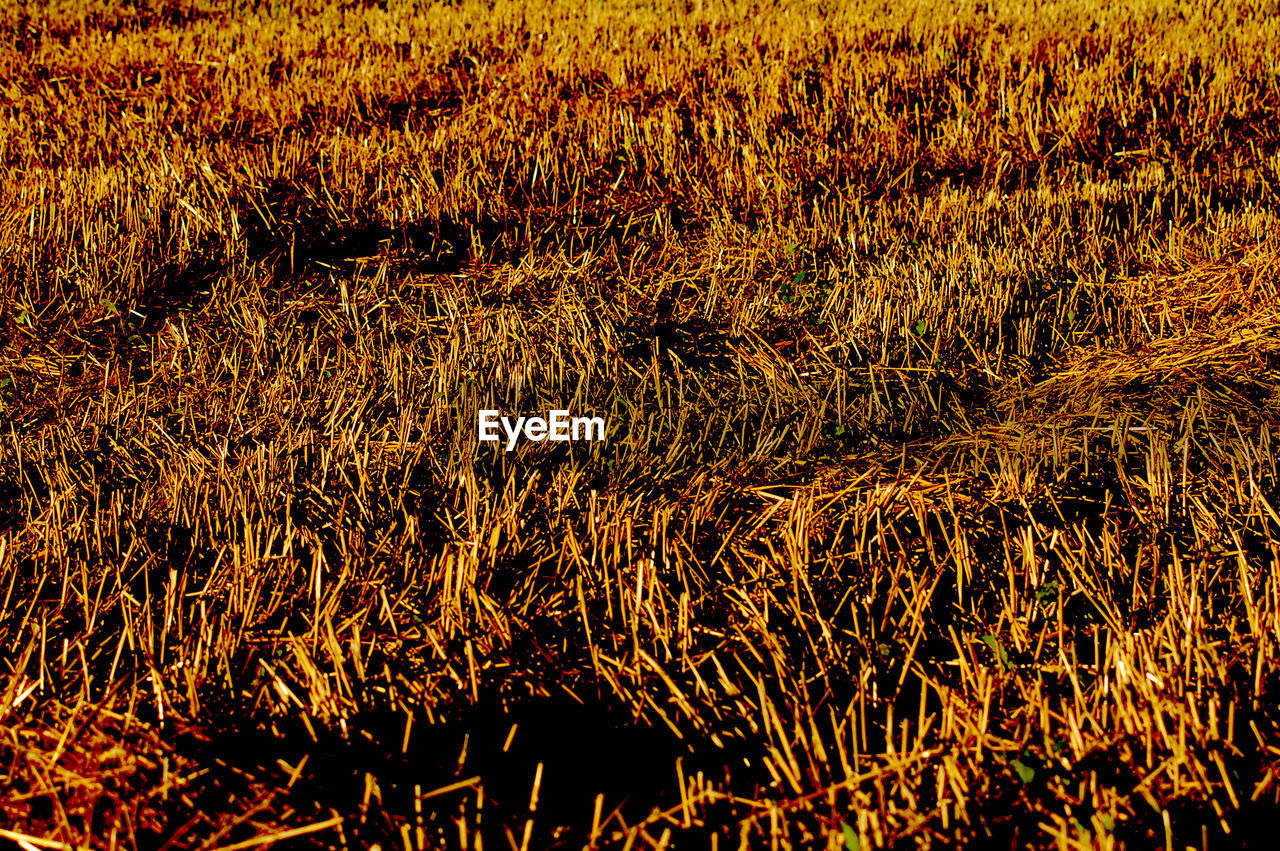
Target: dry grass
{"points": [[938, 348]]}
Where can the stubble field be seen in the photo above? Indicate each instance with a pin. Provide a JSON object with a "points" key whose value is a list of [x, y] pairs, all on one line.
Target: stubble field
{"points": [[937, 344]]}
